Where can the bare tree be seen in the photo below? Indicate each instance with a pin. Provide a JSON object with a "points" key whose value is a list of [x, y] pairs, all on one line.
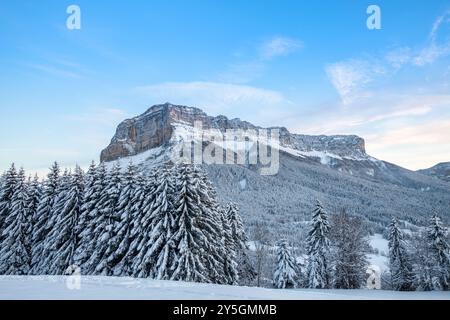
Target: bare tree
{"points": [[349, 249], [261, 238]]}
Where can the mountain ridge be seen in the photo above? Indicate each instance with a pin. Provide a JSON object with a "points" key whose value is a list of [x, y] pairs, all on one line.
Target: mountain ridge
{"points": [[440, 171], [154, 127]]}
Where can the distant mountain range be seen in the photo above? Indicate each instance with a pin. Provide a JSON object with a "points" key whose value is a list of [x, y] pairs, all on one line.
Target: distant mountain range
{"points": [[441, 171], [334, 169]]}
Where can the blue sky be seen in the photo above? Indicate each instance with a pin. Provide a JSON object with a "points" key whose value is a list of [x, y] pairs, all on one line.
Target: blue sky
{"points": [[312, 66]]}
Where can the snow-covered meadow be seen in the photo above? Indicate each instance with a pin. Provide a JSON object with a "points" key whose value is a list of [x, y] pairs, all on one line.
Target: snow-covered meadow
{"points": [[121, 288]]}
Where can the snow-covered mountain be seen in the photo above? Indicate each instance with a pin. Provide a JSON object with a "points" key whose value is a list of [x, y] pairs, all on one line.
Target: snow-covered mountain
{"points": [[335, 169], [165, 125], [441, 171]]}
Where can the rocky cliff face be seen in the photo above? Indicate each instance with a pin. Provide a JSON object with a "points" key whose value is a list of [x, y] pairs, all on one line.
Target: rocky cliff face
{"points": [[156, 126]]}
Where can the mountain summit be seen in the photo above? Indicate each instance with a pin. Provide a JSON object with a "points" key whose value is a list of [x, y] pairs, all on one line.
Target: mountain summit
{"points": [[157, 126]]}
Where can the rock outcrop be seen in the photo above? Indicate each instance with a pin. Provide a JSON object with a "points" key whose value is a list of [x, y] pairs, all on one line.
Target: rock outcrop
{"points": [[155, 127]]}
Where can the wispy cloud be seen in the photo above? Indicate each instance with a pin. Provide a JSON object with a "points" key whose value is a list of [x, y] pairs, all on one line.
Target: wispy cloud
{"points": [[55, 71], [240, 73], [373, 114], [279, 46], [351, 77], [247, 71]]}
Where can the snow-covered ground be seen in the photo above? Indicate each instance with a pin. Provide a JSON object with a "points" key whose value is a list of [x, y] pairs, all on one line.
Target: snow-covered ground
{"points": [[381, 259], [98, 288]]}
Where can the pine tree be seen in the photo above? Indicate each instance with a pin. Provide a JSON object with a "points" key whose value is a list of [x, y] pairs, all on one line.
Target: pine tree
{"points": [[63, 238], [120, 240], [158, 221], [349, 251], [222, 269], [423, 264], [15, 253], [42, 221], [197, 236], [6, 193], [87, 228], [318, 250], [285, 275], [245, 269], [34, 197], [440, 249], [230, 260], [105, 222], [399, 260], [136, 212]]}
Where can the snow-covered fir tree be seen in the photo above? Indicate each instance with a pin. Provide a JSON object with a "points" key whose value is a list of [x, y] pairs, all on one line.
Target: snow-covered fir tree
{"points": [[440, 250], [2, 181], [104, 224], [318, 250], [143, 190], [222, 269], [63, 238], [240, 241], [6, 193], [423, 264], [15, 253], [156, 253], [399, 259], [286, 273], [349, 251], [91, 214], [88, 207], [34, 197], [230, 260], [220, 215], [42, 220], [120, 239], [197, 235]]}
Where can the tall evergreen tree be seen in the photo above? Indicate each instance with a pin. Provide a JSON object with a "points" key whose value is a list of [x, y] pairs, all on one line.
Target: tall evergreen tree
{"points": [[95, 185], [42, 220], [222, 269], [98, 262], [120, 240], [6, 193], [349, 251], [318, 250], [142, 192], [423, 264], [231, 270], [245, 269], [197, 236], [15, 253], [156, 247], [440, 249], [34, 197], [285, 275], [63, 238], [399, 260]]}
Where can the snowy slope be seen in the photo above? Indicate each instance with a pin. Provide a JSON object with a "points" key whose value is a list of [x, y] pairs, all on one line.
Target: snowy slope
{"points": [[381, 258], [98, 288]]}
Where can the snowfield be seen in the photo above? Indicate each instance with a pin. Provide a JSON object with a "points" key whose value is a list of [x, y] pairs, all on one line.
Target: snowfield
{"points": [[100, 288]]}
